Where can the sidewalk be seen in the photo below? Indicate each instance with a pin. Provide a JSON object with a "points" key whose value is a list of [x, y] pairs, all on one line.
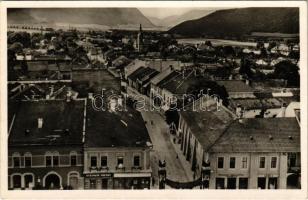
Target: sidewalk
{"points": [[187, 166]]}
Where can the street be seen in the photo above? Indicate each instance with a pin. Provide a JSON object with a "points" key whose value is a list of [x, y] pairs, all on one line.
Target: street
{"points": [[163, 149]]}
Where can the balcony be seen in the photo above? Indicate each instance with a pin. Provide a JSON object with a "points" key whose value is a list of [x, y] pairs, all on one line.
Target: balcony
{"points": [[294, 169], [136, 168], [120, 167]]}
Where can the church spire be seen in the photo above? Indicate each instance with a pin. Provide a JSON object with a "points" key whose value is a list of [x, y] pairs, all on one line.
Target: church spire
{"points": [[140, 28]]}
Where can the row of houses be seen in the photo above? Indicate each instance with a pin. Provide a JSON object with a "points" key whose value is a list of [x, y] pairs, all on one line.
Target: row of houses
{"points": [[67, 144], [251, 142]]}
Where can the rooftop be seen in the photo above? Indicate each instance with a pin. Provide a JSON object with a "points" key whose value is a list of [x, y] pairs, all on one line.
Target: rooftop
{"points": [[115, 129], [260, 135], [142, 73], [207, 126], [235, 86], [62, 123]]}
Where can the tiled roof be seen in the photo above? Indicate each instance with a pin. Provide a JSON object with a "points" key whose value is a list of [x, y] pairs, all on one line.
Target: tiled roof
{"points": [[115, 129], [260, 135], [235, 86], [62, 123], [207, 126]]}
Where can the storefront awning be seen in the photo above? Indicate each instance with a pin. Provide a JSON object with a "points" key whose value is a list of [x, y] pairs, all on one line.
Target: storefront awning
{"points": [[126, 175]]}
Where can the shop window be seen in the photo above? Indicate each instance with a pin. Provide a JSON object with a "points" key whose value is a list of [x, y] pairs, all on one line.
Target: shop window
{"points": [[231, 183], [92, 183], [104, 161], [243, 183], [220, 183], [274, 162], [272, 183], [232, 162], [220, 162], [262, 162], [261, 182], [136, 161]]}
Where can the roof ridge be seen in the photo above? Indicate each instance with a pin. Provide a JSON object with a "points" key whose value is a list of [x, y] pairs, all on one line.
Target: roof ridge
{"points": [[222, 134]]}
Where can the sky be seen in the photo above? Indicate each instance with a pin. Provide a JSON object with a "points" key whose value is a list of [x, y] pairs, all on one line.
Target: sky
{"points": [[165, 12]]}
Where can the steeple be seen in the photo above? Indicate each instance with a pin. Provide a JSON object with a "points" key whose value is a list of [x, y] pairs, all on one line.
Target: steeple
{"points": [[140, 28]]}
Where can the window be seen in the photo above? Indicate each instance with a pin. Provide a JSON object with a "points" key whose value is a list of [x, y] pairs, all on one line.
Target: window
{"points": [[28, 161], [243, 183], [93, 182], [136, 161], [244, 162], [220, 183], [28, 180], [73, 160], [16, 181], [272, 183], [232, 162], [120, 160], [292, 159], [262, 162], [231, 183], [48, 161], [104, 161], [274, 162], [261, 183], [16, 161], [220, 162], [55, 160], [93, 161]]}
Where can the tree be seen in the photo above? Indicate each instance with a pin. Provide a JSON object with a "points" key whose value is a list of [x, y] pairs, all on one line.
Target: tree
{"points": [[288, 71], [21, 37], [245, 68]]}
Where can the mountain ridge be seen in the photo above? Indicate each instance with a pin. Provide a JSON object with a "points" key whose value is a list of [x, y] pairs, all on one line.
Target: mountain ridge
{"points": [[241, 21], [101, 16]]}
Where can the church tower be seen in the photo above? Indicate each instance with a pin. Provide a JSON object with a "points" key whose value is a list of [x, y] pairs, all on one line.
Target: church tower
{"points": [[140, 39]]}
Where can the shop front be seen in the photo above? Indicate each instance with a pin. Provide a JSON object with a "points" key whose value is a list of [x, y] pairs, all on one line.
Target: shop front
{"points": [[96, 181], [132, 180]]}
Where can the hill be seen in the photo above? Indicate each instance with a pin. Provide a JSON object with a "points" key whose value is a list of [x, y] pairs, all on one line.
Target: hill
{"points": [[238, 22], [173, 20], [102, 16]]}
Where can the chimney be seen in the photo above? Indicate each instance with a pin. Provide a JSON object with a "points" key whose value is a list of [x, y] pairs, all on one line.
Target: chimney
{"points": [[230, 77], [68, 96], [238, 111], [90, 95], [283, 110], [247, 82], [40, 122]]}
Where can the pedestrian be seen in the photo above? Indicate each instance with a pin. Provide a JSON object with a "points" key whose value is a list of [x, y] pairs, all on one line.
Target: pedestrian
{"points": [[151, 122], [177, 156]]}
